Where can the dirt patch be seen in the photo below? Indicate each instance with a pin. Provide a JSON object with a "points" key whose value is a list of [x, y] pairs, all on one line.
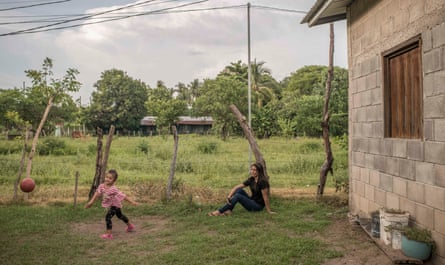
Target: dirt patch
{"points": [[144, 225], [357, 247]]}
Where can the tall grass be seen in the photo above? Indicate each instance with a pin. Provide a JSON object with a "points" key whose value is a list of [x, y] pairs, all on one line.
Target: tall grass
{"points": [[202, 161]]}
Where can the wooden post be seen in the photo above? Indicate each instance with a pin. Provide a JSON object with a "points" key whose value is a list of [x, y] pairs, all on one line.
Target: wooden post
{"points": [[76, 183], [327, 165], [248, 133], [173, 164], [22, 165]]}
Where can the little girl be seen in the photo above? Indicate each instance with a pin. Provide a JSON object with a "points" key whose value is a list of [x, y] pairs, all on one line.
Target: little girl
{"points": [[112, 199]]}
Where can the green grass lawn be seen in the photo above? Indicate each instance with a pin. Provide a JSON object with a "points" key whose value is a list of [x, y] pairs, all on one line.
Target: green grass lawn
{"points": [[45, 228], [48, 235]]}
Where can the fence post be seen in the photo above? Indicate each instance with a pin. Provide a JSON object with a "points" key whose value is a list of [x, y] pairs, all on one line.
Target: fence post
{"points": [[75, 188]]}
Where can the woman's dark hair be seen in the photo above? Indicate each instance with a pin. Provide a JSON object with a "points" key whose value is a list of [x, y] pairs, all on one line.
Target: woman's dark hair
{"points": [[260, 170], [113, 172]]}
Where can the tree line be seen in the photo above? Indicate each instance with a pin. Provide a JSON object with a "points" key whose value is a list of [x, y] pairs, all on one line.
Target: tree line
{"points": [[290, 107]]}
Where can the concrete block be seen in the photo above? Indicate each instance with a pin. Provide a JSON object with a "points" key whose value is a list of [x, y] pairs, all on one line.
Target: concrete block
{"points": [[416, 192], [380, 197], [434, 107], [392, 201], [439, 221], [439, 173], [425, 172], [428, 129], [400, 186], [415, 150], [435, 197], [407, 205], [423, 216], [439, 130], [427, 40], [438, 35], [374, 178], [407, 169], [399, 148], [435, 152], [386, 182]]}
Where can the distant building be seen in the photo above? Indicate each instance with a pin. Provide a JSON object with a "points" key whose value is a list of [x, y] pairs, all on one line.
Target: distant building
{"points": [[185, 125]]}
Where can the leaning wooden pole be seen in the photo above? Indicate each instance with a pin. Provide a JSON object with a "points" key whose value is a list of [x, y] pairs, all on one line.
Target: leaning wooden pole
{"points": [[99, 153], [106, 153], [248, 133], [327, 165]]}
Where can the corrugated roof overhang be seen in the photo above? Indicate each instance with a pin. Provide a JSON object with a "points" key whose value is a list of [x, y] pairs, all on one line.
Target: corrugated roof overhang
{"points": [[326, 11]]}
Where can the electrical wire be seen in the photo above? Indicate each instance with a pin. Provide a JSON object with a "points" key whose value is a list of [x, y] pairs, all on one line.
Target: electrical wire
{"points": [[34, 5], [168, 10]]}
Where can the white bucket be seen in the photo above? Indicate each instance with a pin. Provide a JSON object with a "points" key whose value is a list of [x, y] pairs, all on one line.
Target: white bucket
{"points": [[389, 219]]}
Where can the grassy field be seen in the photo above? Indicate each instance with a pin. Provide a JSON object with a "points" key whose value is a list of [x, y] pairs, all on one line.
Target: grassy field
{"points": [[45, 228]]}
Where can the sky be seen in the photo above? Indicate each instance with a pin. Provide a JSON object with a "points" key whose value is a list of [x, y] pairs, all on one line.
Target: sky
{"points": [[190, 39]]}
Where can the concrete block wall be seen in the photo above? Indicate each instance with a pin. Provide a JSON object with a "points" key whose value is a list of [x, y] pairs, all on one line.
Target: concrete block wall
{"points": [[406, 174]]}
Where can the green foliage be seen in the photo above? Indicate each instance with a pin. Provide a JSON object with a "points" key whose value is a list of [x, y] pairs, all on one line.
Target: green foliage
{"points": [[119, 100], [208, 147], [143, 147], [227, 91], [418, 234], [167, 110], [54, 146]]}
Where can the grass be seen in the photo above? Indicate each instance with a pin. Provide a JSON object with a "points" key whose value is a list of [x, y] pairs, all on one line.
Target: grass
{"points": [[45, 235], [43, 227]]}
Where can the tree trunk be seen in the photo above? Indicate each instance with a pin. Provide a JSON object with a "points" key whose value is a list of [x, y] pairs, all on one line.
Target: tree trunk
{"points": [[106, 154], [327, 165], [247, 131], [22, 164], [96, 180], [36, 137], [173, 164]]}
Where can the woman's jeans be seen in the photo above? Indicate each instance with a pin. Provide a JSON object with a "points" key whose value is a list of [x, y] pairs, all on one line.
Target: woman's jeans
{"points": [[243, 198]]}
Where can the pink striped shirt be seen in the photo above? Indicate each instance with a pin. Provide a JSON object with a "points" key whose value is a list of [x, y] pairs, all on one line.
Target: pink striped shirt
{"points": [[112, 196]]}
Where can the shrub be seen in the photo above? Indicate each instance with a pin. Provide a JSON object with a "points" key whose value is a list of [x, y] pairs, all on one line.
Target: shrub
{"points": [[143, 147], [54, 146], [207, 148]]}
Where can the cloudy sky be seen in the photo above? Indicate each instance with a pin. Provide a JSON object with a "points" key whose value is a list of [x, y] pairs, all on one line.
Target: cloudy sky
{"points": [[169, 40]]}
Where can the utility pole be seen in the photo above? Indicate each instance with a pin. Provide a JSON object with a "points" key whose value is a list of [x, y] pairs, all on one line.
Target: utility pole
{"points": [[249, 79]]}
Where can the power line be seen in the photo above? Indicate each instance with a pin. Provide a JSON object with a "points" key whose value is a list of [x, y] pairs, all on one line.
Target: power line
{"points": [[121, 16], [28, 6]]}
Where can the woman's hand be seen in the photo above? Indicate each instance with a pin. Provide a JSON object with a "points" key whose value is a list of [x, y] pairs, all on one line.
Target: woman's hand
{"points": [[228, 200]]}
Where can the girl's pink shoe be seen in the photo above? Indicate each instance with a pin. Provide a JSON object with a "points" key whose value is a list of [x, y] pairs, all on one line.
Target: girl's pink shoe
{"points": [[130, 227], [106, 236]]}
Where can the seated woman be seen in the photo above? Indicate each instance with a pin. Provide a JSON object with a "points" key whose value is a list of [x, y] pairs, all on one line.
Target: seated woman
{"points": [[259, 186]]}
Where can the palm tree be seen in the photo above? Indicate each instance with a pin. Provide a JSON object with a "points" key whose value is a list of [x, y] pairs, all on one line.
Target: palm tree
{"points": [[261, 79]]}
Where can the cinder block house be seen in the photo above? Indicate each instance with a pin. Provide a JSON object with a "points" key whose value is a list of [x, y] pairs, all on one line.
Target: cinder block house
{"points": [[396, 58]]}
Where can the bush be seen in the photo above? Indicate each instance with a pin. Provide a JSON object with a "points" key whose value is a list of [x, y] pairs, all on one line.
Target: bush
{"points": [[54, 146], [143, 147], [207, 148]]}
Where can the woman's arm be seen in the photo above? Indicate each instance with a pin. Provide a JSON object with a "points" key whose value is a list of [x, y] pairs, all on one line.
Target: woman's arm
{"points": [[265, 193], [239, 186]]}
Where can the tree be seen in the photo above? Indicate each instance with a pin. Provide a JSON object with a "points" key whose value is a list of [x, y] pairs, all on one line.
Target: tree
{"points": [[261, 82], [215, 98], [119, 100], [54, 90], [160, 103], [302, 101], [11, 101]]}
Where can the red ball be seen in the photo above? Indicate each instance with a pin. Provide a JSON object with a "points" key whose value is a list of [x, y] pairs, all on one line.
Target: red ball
{"points": [[27, 185]]}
